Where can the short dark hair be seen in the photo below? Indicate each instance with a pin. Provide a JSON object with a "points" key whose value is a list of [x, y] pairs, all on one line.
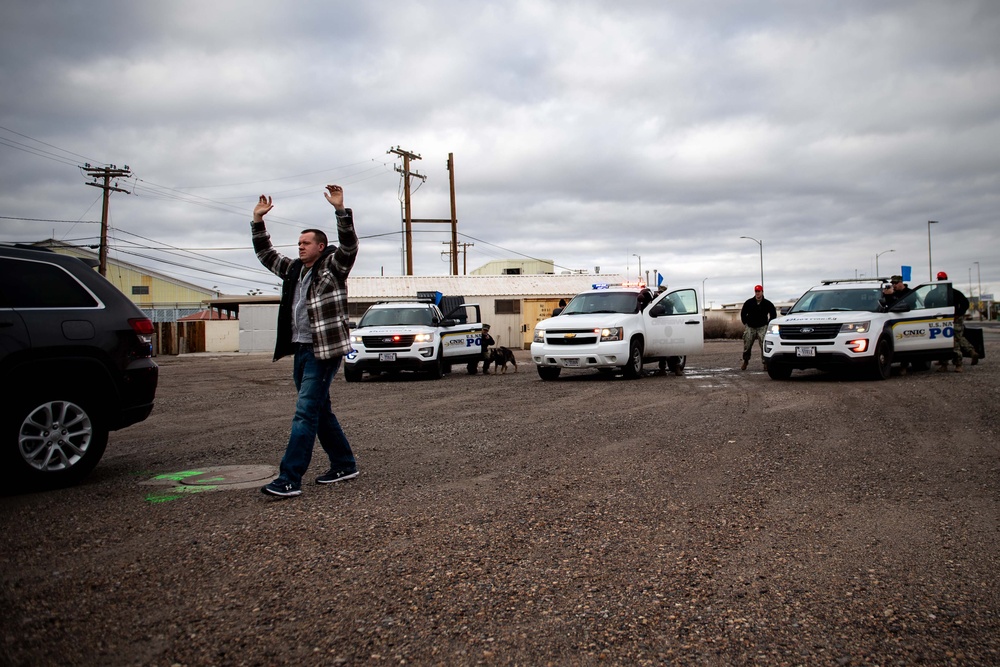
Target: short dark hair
{"points": [[318, 234]]}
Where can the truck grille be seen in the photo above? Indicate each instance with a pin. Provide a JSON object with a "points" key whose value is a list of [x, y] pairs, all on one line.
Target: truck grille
{"points": [[809, 331], [588, 338], [387, 342]]}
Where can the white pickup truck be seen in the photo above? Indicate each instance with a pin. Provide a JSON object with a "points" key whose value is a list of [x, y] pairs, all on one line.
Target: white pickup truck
{"points": [[414, 336], [618, 329]]}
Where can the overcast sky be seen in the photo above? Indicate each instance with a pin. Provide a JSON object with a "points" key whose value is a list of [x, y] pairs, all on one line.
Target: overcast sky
{"points": [[588, 133]]}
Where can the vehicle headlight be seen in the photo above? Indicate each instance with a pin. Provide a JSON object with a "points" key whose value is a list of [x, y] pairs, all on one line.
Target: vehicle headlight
{"points": [[357, 339], [610, 333], [539, 336], [423, 338], [855, 327], [775, 328]]}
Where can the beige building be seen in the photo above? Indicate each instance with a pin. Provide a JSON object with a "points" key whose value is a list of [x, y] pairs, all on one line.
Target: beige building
{"points": [[511, 267]]}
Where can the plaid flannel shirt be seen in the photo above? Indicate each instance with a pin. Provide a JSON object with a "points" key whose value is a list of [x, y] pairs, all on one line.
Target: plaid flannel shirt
{"points": [[327, 301]]}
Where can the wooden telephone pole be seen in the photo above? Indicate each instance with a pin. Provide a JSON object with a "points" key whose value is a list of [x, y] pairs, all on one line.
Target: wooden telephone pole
{"points": [[105, 174], [409, 220]]}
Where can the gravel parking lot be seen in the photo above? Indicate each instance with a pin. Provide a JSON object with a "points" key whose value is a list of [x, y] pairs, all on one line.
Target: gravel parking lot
{"points": [[715, 518]]}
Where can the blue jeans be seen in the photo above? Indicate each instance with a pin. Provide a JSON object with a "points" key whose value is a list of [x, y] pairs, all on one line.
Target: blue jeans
{"points": [[314, 417]]}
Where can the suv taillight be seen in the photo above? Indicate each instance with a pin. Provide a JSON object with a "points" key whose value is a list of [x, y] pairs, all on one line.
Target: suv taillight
{"points": [[141, 325]]}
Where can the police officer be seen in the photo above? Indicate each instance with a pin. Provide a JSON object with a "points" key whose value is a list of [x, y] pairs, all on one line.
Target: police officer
{"points": [[755, 314], [962, 345], [896, 290]]}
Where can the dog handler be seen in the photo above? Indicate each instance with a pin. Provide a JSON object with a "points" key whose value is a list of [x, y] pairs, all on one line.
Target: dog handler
{"points": [[312, 326], [486, 341]]}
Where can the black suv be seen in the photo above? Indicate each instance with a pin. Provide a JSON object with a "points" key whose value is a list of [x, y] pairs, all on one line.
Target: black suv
{"points": [[75, 363]]}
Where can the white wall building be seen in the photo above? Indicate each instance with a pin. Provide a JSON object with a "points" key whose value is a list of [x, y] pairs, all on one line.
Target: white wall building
{"points": [[511, 304]]}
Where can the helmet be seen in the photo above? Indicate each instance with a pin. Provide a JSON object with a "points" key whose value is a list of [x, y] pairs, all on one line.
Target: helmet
{"points": [[942, 275]]}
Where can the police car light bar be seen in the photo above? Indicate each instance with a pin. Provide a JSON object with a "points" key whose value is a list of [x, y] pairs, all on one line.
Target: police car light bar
{"points": [[636, 283]]}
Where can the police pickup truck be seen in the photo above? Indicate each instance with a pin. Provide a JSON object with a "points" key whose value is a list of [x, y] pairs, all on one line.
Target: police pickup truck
{"points": [[846, 323], [414, 335], [618, 329]]}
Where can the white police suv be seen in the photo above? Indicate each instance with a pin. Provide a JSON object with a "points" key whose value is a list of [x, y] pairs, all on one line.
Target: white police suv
{"points": [[846, 323], [414, 336]]}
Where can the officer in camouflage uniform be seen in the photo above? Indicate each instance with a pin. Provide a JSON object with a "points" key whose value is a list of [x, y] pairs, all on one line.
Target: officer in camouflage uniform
{"points": [[962, 344], [756, 313]]}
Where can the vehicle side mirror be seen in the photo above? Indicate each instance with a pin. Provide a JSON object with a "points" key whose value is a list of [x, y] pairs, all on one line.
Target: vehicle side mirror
{"points": [[656, 310], [352, 325], [901, 307], [447, 322]]}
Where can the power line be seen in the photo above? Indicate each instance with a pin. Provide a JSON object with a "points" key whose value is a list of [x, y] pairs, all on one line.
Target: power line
{"points": [[83, 157], [189, 252], [537, 259], [280, 178], [36, 151], [70, 222]]}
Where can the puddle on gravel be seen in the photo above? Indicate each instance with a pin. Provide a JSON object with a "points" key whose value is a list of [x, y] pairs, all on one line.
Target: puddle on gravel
{"points": [[210, 478]]}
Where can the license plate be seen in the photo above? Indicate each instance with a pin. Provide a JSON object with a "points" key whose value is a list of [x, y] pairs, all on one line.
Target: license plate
{"points": [[387, 356], [572, 362], [805, 351]]}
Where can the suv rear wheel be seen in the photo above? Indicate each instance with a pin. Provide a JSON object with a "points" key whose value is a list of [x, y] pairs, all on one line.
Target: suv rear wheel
{"points": [[58, 440]]}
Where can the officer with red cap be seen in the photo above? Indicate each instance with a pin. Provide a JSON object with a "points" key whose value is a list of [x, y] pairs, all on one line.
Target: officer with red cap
{"points": [[755, 315], [962, 344]]}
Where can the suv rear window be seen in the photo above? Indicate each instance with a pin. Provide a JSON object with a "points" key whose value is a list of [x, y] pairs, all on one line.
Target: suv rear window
{"points": [[29, 284]]}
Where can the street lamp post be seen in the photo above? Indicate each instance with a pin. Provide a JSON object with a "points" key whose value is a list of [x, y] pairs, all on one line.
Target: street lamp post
{"points": [[979, 302], [640, 265], [703, 302], [930, 265], [761, 244], [877, 274]]}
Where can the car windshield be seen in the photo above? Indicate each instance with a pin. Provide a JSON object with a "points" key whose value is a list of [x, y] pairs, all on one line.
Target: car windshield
{"points": [[602, 302], [818, 301], [387, 317]]}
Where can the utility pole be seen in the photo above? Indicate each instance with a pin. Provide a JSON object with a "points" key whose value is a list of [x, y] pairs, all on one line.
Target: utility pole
{"points": [[407, 218], [453, 221], [465, 258], [464, 249], [105, 174], [454, 216]]}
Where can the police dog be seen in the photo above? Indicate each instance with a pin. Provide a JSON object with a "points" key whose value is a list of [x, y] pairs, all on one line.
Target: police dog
{"points": [[500, 357]]}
